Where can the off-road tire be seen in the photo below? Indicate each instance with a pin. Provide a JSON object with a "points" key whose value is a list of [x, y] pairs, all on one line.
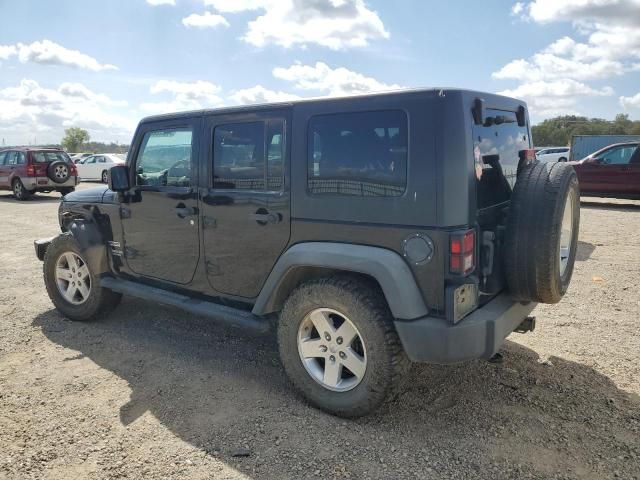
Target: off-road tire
{"points": [[20, 191], [364, 304], [100, 301], [534, 229]]}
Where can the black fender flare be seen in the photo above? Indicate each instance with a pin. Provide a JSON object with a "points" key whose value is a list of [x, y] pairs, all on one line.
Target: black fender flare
{"points": [[385, 266], [92, 244]]}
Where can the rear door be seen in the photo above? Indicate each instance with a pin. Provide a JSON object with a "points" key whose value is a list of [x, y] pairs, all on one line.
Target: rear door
{"points": [[245, 200], [160, 219]]}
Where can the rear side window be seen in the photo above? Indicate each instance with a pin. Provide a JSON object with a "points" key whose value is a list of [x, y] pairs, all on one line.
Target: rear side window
{"points": [[497, 146], [249, 156], [358, 154], [47, 157], [165, 158]]}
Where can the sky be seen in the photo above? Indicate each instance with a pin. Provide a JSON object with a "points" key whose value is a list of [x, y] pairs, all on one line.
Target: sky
{"points": [[104, 65]]}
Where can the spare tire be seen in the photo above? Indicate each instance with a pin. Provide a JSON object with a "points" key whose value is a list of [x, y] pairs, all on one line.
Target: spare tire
{"points": [[542, 232], [59, 171]]}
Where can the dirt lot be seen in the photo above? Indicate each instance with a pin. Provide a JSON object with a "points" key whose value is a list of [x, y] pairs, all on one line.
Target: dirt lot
{"points": [[155, 393]]}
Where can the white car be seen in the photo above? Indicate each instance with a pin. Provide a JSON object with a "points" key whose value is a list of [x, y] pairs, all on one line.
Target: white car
{"points": [[96, 167], [553, 154]]}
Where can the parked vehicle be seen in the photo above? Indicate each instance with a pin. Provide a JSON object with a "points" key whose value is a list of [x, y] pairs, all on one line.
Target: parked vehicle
{"points": [[371, 230], [553, 154], [96, 167], [29, 170], [76, 157], [613, 171], [584, 145]]}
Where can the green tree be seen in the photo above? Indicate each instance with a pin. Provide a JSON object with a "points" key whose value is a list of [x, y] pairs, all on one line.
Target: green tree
{"points": [[74, 138]]}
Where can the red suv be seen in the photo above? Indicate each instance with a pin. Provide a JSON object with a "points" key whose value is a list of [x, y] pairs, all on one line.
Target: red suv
{"points": [[613, 171], [29, 170]]}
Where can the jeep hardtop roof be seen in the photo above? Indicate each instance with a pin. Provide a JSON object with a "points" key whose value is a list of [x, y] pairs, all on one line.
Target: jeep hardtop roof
{"points": [[496, 100]]}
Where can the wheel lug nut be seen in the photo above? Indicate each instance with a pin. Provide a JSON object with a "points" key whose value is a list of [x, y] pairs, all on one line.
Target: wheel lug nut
{"points": [[327, 337], [343, 355], [339, 340], [323, 348], [332, 358]]}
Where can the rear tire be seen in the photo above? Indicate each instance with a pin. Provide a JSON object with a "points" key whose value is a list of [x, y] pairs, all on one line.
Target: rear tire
{"points": [[541, 241], [105, 176], [378, 359], [562, 159], [20, 191], [64, 263]]}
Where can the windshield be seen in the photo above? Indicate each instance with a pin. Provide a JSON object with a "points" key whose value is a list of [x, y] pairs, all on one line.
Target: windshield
{"points": [[47, 157]]}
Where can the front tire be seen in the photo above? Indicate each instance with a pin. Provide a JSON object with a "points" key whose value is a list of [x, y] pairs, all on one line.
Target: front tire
{"points": [[339, 346], [73, 288]]}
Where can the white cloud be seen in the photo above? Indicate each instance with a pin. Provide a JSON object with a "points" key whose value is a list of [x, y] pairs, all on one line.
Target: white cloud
{"points": [[47, 52], [7, 51], [155, 3], [260, 94], [555, 97], [206, 20], [620, 11], [29, 109], [609, 47], [332, 81], [630, 102], [185, 96], [336, 24]]}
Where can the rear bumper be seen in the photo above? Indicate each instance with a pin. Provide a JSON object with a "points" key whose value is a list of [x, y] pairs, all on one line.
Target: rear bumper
{"points": [[479, 335], [45, 183]]}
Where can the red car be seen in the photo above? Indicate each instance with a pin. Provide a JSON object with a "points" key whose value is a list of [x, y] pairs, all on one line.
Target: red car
{"points": [[29, 170], [613, 171]]}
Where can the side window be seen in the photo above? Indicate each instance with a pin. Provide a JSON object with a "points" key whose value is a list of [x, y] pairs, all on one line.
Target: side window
{"points": [[238, 156], [617, 155], [358, 154], [90, 160], [11, 158], [21, 158], [165, 158], [102, 160]]}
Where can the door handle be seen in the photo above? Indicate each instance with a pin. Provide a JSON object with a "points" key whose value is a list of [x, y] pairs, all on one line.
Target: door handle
{"points": [[182, 211], [265, 217]]}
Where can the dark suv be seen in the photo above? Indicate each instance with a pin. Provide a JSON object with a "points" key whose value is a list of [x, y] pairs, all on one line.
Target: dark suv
{"points": [[28, 170], [370, 231]]}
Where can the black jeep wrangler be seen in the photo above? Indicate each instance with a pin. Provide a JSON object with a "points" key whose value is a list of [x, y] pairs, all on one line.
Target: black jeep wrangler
{"points": [[371, 231]]}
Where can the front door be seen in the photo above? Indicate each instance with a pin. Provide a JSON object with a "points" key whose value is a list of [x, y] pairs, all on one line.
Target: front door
{"points": [[160, 219], [245, 206], [611, 173], [5, 171]]}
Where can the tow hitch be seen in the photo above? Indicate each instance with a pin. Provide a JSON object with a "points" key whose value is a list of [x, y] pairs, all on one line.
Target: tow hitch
{"points": [[527, 325]]}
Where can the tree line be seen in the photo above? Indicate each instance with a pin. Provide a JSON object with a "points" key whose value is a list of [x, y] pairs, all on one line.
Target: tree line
{"points": [[559, 130]]}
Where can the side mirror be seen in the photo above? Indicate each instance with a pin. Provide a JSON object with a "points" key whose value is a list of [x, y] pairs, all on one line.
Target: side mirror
{"points": [[119, 178]]}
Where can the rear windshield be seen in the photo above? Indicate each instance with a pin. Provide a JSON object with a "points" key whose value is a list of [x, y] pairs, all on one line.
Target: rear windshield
{"points": [[497, 144], [47, 157]]}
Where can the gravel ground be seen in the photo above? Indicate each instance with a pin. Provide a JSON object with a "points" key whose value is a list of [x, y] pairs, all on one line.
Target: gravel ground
{"points": [[155, 393]]}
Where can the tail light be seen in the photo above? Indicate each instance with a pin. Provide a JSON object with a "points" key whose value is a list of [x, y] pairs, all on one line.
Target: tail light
{"points": [[74, 170], [462, 252], [31, 170]]}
